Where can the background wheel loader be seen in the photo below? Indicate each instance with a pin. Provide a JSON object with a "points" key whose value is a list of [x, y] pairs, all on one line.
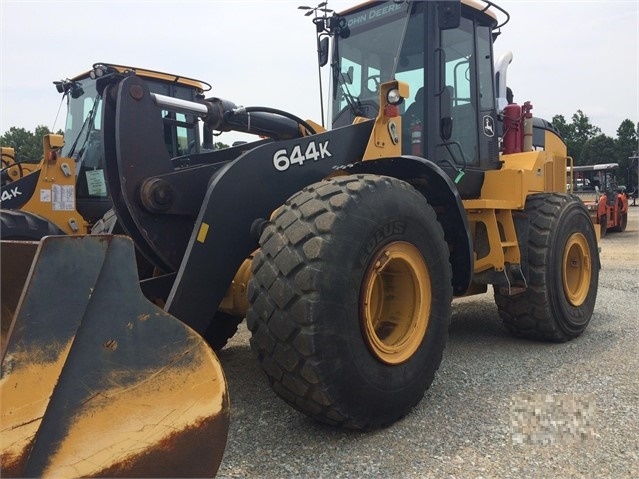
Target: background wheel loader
{"points": [[67, 411], [66, 192], [344, 248]]}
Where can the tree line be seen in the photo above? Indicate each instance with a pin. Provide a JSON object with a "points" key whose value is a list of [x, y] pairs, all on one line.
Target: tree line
{"points": [[586, 144], [27, 145]]}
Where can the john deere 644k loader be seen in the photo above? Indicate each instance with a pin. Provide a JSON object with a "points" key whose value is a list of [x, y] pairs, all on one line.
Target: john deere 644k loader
{"points": [[343, 248]]}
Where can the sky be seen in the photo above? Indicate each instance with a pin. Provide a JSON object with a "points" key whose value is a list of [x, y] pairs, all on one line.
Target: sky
{"points": [[568, 55]]}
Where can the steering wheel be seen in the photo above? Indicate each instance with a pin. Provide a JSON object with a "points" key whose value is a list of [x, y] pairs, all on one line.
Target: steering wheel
{"points": [[345, 116], [377, 79], [6, 177]]}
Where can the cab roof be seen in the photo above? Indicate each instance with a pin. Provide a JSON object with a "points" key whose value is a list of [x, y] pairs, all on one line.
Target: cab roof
{"points": [[199, 85], [483, 6]]}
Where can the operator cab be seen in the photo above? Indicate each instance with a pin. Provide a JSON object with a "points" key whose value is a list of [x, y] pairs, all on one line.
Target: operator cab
{"points": [[443, 50], [83, 131]]}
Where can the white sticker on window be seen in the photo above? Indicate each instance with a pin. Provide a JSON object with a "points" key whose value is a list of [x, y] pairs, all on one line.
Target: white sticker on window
{"points": [[95, 182]]}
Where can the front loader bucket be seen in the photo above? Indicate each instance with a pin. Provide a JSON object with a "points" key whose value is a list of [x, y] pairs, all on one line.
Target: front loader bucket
{"points": [[96, 380], [15, 262]]}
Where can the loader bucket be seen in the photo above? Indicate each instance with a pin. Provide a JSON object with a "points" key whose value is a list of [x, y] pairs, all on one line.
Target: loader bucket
{"points": [[96, 380], [15, 262]]}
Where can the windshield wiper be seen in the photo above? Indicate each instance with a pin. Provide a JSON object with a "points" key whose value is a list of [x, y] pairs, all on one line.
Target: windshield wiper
{"points": [[353, 102], [87, 126]]}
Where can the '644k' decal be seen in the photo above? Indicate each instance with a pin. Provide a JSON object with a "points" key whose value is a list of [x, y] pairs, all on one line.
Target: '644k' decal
{"points": [[283, 159], [10, 193]]}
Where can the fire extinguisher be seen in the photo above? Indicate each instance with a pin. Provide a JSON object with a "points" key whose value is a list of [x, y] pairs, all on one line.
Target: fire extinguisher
{"points": [[416, 138]]}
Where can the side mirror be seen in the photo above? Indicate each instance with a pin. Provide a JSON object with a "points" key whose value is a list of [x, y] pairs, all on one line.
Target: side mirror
{"points": [[348, 75], [448, 15], [446, 128], [445, 109], [322, 51]]}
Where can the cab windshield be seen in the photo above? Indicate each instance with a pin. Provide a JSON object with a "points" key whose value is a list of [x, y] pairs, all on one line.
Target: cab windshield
{"points": [[84, 116], [83, 130], [371, 54]]}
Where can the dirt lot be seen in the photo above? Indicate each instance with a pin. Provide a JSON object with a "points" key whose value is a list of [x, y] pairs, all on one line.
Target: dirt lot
{"points": [[464, 427]]}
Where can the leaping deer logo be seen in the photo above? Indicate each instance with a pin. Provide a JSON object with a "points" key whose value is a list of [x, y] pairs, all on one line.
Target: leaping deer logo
{"points": [[489, 130]]}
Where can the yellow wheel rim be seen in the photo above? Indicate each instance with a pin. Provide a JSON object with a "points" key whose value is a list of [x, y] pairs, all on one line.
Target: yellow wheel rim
{"points": [[395, 302], [576, 270]]}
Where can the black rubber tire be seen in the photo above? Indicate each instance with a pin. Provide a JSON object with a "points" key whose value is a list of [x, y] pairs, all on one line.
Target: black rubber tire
{"points": [[25, 226], [544, 311], [603, 226], [622, 222], [222, 328], [305, 300]]}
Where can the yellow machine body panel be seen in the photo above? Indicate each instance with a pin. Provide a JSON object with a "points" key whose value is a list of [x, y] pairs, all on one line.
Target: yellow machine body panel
{"points": [[55, 195], [522, 174]]}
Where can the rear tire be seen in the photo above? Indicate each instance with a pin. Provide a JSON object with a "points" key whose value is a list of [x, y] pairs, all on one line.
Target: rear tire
{"points": [[24, 226], [563, 272], [351, 300]]}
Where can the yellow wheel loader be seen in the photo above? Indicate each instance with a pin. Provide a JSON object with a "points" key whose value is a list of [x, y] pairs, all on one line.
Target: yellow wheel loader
{"points": [[345, 247], [152, 402], [66, 192]]}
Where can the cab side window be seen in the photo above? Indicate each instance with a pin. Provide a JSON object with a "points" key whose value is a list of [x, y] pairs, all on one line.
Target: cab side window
{"points": [[458, 46]]}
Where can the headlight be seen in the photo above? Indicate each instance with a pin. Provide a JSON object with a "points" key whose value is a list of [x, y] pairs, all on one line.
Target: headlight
{"points": [[393, 97], [97, 72]]}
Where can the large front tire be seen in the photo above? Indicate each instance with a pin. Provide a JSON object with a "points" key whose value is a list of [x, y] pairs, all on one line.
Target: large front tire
{"points": [[24, 226], [351, 300], [563, 269]]}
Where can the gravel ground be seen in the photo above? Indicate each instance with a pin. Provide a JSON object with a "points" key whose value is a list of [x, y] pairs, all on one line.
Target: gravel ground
{"points": [[463, 426]]}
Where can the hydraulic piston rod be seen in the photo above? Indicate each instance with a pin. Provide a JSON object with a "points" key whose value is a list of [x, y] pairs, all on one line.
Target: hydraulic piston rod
{"points": [[179, 105], [224, 115]]}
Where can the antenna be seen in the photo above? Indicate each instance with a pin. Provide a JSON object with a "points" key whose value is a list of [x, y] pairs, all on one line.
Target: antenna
{"points": [[320, 26]]}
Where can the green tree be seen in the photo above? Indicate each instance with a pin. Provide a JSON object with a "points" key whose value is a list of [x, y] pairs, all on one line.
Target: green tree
{"points": [[27, 144], [559, 122], [600, 149], [576, 134], [626, 146], [582, 128], [582, 131]]}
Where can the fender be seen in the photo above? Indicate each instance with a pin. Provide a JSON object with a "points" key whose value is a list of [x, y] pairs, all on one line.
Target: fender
{"points": [[442, 194]]}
